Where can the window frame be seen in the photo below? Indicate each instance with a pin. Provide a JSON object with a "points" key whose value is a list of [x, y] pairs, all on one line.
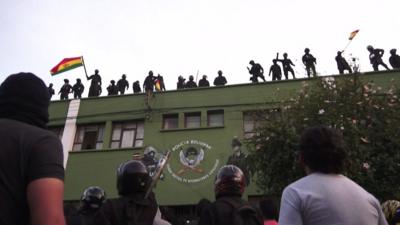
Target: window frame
{"points": [[215, 112], [170, 116], [124, 127], [194, 115], [100, 129]]}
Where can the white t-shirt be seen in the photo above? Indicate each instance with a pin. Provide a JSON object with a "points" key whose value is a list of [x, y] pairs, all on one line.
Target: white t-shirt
{"points": [[329, 199]]}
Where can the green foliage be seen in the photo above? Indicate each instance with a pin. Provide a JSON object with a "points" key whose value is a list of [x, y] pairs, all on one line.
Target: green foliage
{"points": [[367, 116]]}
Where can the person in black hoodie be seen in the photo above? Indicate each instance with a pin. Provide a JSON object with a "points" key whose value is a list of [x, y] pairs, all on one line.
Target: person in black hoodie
{"points": [[31, 157]]}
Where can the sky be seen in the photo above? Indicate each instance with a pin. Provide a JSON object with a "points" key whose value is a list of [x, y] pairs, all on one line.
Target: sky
{"points": [[188, 37]]}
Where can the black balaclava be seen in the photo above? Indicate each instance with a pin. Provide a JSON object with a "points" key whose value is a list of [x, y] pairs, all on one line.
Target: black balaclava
{"points": [[24, 97]]}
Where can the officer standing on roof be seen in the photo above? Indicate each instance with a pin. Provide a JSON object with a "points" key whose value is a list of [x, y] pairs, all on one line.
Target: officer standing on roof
{"points": [[256, 71], [95, 85], [309, 61], [78, 89], [220, 80], [65, 90], [394, 59], [203, 82], [122, 84]]}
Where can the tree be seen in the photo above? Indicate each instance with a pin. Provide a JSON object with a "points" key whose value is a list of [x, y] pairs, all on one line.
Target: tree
{"points": [[367, 116]]}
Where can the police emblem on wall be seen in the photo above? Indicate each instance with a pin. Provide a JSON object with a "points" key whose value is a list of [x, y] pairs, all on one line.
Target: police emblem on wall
{"points": [[192, 161]]}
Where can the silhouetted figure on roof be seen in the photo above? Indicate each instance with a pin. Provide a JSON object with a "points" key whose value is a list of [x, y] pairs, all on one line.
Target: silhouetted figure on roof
{"points": [[51, 90], [78, 89], [148, 84], [136, 87], [112, 89], [309, 61], [65, 90], [122, 84], [375, 57], [220, 80], [203, 82], [287, 66], [394, 59], [148, 87], [342, 64], [276, 71], [95, 85], [159, 83], [256, 71], [181, 83], [191, 83]]}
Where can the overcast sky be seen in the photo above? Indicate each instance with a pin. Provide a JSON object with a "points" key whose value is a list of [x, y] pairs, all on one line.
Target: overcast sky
{"points": [[181, 37]]}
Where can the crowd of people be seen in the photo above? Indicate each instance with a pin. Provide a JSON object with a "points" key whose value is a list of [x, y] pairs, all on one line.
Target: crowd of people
{"points": [[156, 83], [32, 174]]}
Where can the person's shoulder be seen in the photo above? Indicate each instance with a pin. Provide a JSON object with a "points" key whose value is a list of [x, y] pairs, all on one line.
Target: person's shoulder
{"points": [[23, 128]]}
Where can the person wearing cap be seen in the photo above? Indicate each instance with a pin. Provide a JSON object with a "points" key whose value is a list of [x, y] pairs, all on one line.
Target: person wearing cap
{"points": [[31, 157], [65, 90], [78, 89], [325, 195], [375, 57], [342, 64], [256, 71], [309, 61], [229, 187], [394, 59], [203, 82], [122, 85]]}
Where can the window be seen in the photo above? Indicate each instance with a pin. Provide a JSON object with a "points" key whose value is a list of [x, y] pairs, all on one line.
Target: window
{"points": [[249, 124], [58, 131], [192, 120], [170, 121], [127, 135], [88, 137], [215, 118]]}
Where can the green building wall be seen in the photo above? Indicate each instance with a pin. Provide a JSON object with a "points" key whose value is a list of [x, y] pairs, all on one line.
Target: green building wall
{"points": [[87, 168]]}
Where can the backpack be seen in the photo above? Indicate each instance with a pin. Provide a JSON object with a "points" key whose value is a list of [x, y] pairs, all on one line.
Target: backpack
{"points": [[244, 214]]}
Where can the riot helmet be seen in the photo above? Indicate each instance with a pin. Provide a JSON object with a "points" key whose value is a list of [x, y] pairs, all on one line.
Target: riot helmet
{"points": [[132, 177], [393, 51], [370, 48], [251, 62], [92, 198], [230, 180], [306, 50]]}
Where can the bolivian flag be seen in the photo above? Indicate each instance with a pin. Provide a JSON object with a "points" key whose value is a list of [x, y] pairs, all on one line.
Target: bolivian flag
{"points": [[353, 34], [67, 64]]}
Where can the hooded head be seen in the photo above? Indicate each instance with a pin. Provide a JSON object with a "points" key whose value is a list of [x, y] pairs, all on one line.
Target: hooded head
{"points": [[24, 97]]}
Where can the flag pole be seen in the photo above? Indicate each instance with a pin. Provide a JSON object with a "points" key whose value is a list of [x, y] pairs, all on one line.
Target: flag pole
{"points": [[84, 66], [347, 45]]}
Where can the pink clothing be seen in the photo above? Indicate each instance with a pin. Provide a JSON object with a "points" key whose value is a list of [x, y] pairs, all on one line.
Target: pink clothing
{"points": [[270, 222]]}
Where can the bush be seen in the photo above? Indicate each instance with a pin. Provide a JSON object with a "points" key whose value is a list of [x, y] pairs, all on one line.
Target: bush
{"points": [[367, 116]]}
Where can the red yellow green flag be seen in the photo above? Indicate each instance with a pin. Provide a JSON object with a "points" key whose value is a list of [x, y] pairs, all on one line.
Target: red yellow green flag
{"points": [[353, 34], [67, 64]]}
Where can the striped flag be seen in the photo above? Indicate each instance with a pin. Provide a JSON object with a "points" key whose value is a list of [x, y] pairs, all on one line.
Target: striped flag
{"points": [[353, 34], [67, 64]]}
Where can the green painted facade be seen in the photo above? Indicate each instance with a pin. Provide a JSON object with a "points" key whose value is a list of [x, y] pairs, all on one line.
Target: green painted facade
{"points": [[87, 168]]}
